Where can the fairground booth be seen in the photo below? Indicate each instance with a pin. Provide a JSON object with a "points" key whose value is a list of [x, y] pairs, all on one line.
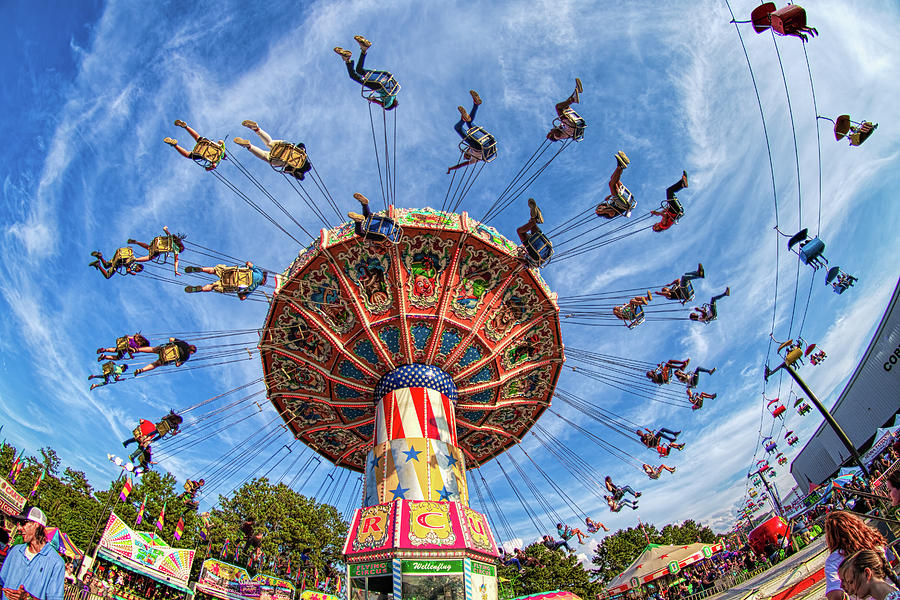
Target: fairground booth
{"points": [[145, 554], [230, 582], [659, 566]]}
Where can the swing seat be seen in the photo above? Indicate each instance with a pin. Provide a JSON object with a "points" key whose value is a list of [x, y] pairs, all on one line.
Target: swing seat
{"points": [[207, 153], [122, 258], [788, 20], [573, 120], [235, 278], [538, 249], [674, 208], [771, 447], [841, 127], [793, 356], [623, 202], [381, 229], [109, 368], [122, 345], [477, 137], [862, 133], [288, 158], [162, 428], [779, 410], [812, 251], [160, 246], [385, 81], [684, 291], [761, 16], [638, 318], [169, 353]]}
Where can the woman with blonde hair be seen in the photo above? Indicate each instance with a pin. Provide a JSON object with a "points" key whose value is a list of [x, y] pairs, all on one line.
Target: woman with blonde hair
{"points": [[846, 534], [863, 575]]}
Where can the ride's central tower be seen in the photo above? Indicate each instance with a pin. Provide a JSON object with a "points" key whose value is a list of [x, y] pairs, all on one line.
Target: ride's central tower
{"points": [[415, 454]]}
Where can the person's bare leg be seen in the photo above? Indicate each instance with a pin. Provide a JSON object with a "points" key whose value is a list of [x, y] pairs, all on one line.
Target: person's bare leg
{"points": [[146, 368], [614, 180]]}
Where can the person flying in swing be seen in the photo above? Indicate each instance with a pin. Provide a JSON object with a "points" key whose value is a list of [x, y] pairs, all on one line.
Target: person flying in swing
{"points": [[660, 375], [566, 532], [697, 399], [594, 526], [162, 245], [373, 80], [127, 344], [655, 472], [110, 370], [708, 312], [619, 201], [678, 290], [691, 379], [671, 210], [617, 505], [629, 312], [123, 258], [291, 158], [465, 127], [618, 492], [243, 281], [571, 125], [205, 152], [174, 352]]}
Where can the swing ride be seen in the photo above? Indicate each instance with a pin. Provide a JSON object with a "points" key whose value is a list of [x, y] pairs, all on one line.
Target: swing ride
{"points": [[419, 343]]}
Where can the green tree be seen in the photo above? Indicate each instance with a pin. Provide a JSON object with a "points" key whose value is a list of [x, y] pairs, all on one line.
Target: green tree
{"points": [[558, 571]]}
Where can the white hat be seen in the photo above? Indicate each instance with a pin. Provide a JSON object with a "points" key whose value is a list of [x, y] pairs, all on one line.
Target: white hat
{"points": [[33, 514]]}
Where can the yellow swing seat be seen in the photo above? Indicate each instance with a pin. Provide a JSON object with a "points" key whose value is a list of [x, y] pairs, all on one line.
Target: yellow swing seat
{"points": [[235, 278], [161, 245], [122, 345], [168, 353], [207, 153], [109, 368], [287, 158]]}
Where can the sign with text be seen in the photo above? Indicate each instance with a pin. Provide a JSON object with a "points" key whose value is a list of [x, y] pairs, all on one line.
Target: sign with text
{"points": [[231, 582], [9, 495], [146, 551], [432, 567], [370, 569]]}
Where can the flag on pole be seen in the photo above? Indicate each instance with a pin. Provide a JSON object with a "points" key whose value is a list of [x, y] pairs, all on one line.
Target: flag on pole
{"points": [[316, 584], [16, 467], [162, 517], [179, 528], [208, 548], [327, 581], [224, 549], [303, 583], [38, 482], [126, 489], [289, 566], [140, 515], [338, 587], [237, 554]]}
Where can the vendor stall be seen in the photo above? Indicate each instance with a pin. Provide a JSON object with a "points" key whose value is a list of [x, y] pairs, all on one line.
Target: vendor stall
{"points": [[145, 554]]}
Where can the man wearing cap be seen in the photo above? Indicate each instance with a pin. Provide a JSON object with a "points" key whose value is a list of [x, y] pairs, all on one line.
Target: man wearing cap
{"points": [[33, 569]]}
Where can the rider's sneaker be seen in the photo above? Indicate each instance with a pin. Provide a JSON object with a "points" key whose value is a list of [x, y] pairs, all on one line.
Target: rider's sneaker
{"points": [[345, 54], [170, 141], [180, 123], [475, 97], [463, 114], [242, 142], [250, 124], [364, 44]]}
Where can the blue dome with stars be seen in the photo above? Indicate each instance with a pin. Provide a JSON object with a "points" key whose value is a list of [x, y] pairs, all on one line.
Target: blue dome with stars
{"points": [[417, 375]]}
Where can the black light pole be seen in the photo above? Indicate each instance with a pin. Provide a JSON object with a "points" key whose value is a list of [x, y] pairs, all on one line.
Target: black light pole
{"points": [[828, 418]]}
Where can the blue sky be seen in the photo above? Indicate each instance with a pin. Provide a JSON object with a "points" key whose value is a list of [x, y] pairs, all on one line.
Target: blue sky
{"points": [[90, 90]]}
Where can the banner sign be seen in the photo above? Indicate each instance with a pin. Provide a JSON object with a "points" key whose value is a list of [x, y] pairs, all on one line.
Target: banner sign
{"points": [[231, 582], [370, 569], [432, 567], [11, 501], [145, 552]]}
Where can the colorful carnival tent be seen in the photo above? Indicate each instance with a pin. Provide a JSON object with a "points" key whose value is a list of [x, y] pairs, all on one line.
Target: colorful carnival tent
{"points": [[62, 543], [231, 582], [146, 554], [657, 561], [884, 437]]}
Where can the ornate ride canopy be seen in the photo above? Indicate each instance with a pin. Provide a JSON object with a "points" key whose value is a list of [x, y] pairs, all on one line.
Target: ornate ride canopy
{"points": [[453, 293]]}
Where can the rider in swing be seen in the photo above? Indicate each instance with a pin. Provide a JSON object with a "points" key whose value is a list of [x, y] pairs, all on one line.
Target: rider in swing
{"points": [[475, 150], [373, 80]]}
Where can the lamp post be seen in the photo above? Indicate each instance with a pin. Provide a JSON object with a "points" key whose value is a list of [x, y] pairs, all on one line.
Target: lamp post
{"points": [[787, 365]]}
